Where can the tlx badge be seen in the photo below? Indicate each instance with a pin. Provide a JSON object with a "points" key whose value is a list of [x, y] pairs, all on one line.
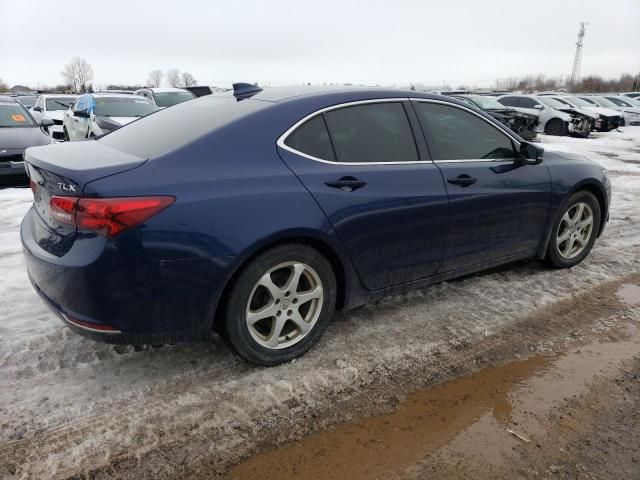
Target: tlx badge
{"points": [[67, 187]]}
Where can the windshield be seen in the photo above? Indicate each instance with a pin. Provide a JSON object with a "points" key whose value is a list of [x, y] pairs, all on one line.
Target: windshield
{"points": [[27, 100], [487, 103], [167, 99], [551, 102], [123, 107], [59, 103], [14, 115], [578, 102], [603, 102], [633, 101], [618, 101]]}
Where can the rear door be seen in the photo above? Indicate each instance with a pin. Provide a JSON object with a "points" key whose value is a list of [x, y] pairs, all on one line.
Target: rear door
{"points": [[383, 196], [498, 206]]}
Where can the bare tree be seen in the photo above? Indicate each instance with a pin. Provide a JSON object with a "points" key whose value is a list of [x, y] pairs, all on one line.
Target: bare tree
{"points": [[173, 77], [78, 73], [188, 80], [3, 86], [155, 78]]}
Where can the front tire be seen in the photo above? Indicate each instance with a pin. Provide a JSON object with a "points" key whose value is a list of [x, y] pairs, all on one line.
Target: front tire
{"points": [[574, 230], [556, 127], [280, 304]]}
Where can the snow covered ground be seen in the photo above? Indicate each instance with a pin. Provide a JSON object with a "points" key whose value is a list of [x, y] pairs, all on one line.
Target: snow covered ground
{"points": [[68, 404]]}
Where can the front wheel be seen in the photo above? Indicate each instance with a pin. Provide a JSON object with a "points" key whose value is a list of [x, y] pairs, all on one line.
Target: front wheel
{"points": [[280, 304], [555, 126], [574, 231]]}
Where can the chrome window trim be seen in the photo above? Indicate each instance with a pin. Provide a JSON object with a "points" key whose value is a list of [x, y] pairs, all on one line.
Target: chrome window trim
{"points": [[281, 139]]}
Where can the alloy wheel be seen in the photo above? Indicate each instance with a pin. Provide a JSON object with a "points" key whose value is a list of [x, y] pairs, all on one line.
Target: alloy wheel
{"points": [[575, 230], [284, 305]]}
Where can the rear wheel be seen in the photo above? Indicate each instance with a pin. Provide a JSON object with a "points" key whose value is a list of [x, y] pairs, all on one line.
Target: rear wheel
{"points": [[280, 304], [555, 127], [574, 230]]}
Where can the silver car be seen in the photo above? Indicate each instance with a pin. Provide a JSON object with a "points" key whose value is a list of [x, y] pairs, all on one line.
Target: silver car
{"points": [[52, 106]]}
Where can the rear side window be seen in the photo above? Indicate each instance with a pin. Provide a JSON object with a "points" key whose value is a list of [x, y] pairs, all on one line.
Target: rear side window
{"points": [[312, 138], [526, 102], [455, 134], [373, 132]]}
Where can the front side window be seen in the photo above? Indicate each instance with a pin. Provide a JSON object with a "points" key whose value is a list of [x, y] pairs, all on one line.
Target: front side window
{"points": [[312, 138], [373, 132], [526, 102], [509, 101], [619, 102], [455, 134]]}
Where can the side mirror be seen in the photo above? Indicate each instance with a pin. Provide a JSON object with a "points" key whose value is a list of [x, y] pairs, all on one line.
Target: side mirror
{"points": [[538, 107], [531, 154], [81, 113], [46, 122], [37, 109]]}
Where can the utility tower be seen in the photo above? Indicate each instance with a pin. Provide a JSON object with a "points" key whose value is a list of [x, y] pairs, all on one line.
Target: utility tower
{"points": [[577, 60]]}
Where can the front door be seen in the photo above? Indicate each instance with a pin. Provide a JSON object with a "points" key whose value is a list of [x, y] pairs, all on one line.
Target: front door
{"points": [[499, 206]]}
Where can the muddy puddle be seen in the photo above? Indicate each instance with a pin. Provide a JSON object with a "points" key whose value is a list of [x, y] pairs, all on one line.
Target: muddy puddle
{"points": [[475, 421]]}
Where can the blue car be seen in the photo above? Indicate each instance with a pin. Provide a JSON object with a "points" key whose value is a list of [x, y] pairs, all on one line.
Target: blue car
{"points": [[258, 214]]}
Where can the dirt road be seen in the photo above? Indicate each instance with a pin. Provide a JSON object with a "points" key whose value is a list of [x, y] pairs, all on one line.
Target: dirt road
{"points": [[70, 408]]}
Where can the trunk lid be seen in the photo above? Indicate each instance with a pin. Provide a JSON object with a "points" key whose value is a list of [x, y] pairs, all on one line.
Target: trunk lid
{"points": [[59, 171]]}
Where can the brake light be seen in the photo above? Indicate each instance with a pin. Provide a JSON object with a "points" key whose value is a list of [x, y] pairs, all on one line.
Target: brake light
{"points": [[107, 216]]}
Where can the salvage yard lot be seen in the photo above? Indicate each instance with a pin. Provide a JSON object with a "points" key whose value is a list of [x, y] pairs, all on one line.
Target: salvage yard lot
{"points": [[72, 406]]}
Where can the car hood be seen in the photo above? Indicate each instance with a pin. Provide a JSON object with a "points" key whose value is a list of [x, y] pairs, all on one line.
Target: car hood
{"points": [[22, 137], [583, 111], [55, 115], [607, 112]]}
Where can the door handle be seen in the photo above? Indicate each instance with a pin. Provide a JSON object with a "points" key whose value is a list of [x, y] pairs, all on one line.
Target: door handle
{"points": [[348, 184], [463, 180]]}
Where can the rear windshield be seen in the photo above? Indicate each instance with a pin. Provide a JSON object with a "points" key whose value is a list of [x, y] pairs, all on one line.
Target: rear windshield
{"points": [[123, 107], [14, 115], [173, 127], [59, 103], [168, 99]]}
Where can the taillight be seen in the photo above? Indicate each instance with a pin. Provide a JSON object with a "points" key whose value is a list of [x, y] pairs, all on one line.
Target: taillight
{"points": [[107, 216]]}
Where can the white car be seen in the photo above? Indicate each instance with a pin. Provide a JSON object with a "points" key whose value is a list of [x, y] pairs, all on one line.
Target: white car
{"points": [[554, 117], [607, 118], [631, 114], [95, 114], [631, 107], [52, 106], [165, 97]]}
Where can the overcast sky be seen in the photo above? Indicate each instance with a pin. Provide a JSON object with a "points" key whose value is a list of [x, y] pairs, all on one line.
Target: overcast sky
{"points": [[292, 41]]}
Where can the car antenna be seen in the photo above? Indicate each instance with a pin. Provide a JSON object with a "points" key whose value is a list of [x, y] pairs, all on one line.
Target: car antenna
{"points": [[245, 90]]}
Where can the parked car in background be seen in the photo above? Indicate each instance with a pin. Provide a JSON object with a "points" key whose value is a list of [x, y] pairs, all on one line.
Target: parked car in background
{"points": [[52, 106], [632, 94], [607, 118], [631, 115], [165, 97], [18, 131], [26, 100], [631, 108], [95, 114], [554, 117], [523, 124], [257, 218]]}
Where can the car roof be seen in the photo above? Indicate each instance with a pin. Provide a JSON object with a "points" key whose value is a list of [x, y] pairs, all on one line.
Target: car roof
{"points": [[57, 95], [7, 99], [116, 95], [281, 94]]}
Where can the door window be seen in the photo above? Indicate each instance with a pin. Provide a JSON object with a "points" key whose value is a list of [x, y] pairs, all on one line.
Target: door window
{"points": [[510, 101], [526, 102], [312, 138], [373, 132], [455, 134]]}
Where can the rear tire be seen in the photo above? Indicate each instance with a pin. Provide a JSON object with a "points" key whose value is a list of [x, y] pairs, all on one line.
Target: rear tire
{"points": [[280, 304], [556, 127], [574, 230]]}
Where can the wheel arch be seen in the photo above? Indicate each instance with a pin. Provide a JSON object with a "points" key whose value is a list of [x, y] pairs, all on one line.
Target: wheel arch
{"points": [[324, 246]]}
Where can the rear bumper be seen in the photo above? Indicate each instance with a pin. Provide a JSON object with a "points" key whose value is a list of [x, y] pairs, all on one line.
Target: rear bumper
{"points": [[107, 293]]}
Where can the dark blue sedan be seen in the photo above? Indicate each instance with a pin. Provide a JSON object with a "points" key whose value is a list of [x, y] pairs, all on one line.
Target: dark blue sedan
{"points": [[258, 214]]}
